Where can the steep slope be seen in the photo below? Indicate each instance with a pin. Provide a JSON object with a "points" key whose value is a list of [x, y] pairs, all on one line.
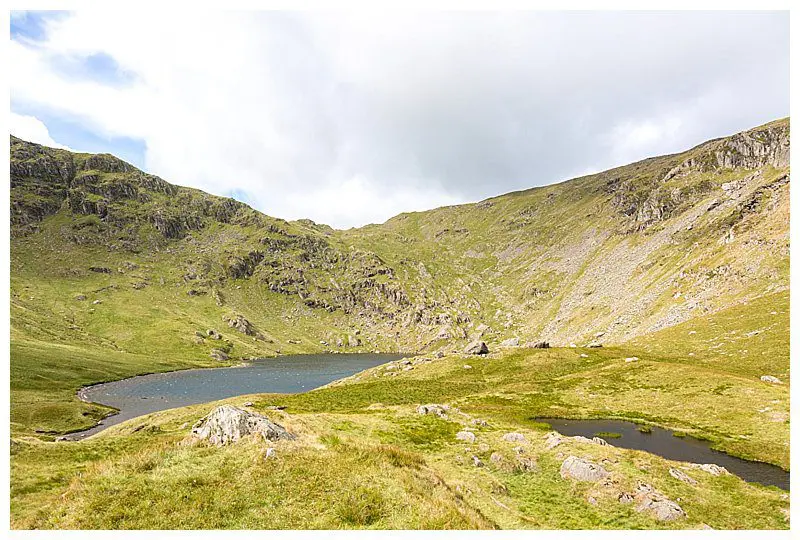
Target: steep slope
{"points": [[112, 263], [624, 252]]}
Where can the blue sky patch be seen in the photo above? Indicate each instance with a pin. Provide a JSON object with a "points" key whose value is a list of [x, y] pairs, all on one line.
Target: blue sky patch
{"points": [[73, 132], [240, 195], [31, 25], [97, 67]]}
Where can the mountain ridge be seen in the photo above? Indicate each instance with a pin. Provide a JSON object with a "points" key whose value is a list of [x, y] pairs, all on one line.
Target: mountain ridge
{"points": [[105, 257]]}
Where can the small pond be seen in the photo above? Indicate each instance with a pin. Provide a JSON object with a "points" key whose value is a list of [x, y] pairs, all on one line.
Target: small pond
{"points": [[285, 374], [664, 443]]}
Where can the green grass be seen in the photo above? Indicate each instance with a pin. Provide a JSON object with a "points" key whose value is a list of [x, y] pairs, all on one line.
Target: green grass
{"points": [[558, 263], [608, 435]]}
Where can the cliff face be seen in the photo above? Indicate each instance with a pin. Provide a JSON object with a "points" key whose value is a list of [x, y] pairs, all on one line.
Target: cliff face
{"points": [[621, 253]]}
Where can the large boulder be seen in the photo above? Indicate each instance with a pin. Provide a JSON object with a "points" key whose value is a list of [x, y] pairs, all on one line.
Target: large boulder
{"points": [[228, 424], [582, 470], [477, 347]]}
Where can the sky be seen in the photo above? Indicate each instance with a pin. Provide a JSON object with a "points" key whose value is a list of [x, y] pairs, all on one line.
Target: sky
{"points": [[352, 118]]}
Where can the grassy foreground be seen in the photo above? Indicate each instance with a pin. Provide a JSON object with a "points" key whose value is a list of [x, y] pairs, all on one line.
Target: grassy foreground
{"points": [[365, 458]]}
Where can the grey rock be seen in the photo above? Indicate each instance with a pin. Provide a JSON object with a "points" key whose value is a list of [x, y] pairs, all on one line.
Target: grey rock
{"points": [[433, 408], [525, 464], [582, 470], [510, 342], [219, 354], [444, 333], [467, 436], [553, 439], [682, 476], [771, 379], [625, 498], [663, 509], [537, 345], [476, 461], [514, 437], [496, 458], [80, 297], [710, 468], [240, 324], [477, 347], [594, 345], [228, 424]]}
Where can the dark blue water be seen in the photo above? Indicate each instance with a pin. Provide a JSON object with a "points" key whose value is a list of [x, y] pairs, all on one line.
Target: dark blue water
{"points": [[663, 443], [285, 374]]}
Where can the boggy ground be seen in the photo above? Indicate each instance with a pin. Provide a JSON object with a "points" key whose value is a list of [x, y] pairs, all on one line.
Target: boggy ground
{"points": [[365, 457]]}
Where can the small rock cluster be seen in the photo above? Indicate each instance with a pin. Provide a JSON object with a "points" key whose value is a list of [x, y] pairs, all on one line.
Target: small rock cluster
{"points": [[435, 409], [554, 439]]}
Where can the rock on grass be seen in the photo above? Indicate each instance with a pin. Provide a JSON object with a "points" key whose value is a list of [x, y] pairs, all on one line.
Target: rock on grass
{"points": [[477, 347], [582, 470], [228, 424], [467, 436]]}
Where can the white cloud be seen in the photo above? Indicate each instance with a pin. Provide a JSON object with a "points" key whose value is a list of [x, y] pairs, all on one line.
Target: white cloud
{"points": [[32, 129], [348, 119]]}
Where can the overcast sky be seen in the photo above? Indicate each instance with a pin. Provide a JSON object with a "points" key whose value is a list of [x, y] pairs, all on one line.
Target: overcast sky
{"points": [[351, 119]]}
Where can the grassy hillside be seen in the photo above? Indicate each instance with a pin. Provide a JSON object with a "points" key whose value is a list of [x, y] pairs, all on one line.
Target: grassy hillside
{"points": [[366, 458], [681, 261]]}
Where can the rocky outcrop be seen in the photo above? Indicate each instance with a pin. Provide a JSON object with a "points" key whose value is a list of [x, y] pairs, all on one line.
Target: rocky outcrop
{"points": [[219, 355], [710, 468], [435, 409], [582, 470], [228, 424], [476, 347], [682, 476], [649, 500], [240, 324], [537, 345]]}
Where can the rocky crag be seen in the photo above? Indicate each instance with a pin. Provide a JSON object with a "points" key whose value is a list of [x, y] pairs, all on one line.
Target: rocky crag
{"points": [[601, 258]]}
